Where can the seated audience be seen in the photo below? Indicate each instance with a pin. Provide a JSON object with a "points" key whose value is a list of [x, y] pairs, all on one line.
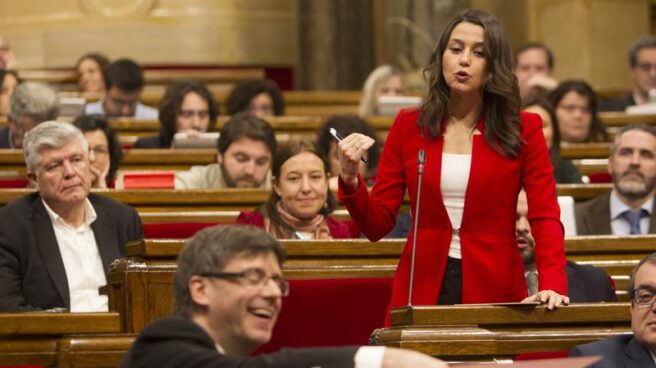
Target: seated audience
{"points": [[636, 349], [642, 60], [628, 209], [576, 109], [187, 107], [90, 69], [124, 82], [56, 244], [301, 202], [228, 290], [585, 283], [564, 171], [261, 97], [534, 64], [386, 80], [105, 153], [31, 103], [7, 58], [8, 82], [246, 144], [345, 125]]}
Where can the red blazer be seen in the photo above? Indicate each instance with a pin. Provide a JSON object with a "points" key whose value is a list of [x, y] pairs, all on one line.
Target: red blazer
{"points": [[492, 268], [338, 229]]}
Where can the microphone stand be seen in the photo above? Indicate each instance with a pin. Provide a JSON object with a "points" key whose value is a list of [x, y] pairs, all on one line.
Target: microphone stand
{"points": [[421, 160]]}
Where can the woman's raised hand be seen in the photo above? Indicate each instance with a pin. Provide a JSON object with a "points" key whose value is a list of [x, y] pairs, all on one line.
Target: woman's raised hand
{"points": [[350, 151]]}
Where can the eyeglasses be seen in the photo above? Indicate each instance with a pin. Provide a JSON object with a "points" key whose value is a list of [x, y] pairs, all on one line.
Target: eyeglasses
{"points": [[644, 296], [645, 67], [252, 276], [188, 114]]}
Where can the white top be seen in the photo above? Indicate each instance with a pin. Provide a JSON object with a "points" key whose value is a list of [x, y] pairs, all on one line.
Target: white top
{"points": [[619, 224], [82, 263], [455, 176]]}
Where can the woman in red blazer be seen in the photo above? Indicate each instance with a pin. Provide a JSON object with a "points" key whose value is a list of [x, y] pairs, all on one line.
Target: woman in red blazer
{"points": [[473, 112]]}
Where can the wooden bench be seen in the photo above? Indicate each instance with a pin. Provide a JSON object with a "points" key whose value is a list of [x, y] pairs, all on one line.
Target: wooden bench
{"points": [[499, 332], [62, 339]]}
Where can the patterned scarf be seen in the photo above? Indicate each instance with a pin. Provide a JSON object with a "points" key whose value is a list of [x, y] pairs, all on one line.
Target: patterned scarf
{"points": [[316, 225]]}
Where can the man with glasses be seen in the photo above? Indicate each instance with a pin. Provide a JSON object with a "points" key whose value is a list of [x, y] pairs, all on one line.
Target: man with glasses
{"points": [[642, 60], [124, 82], [31, 104], [227, 294], [628, 209], [57, 243], [638, 349]]}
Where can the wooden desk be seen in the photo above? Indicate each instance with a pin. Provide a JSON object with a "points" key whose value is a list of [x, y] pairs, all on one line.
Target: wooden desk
{"points": [[489, 332], [139, 287], [62, 339]]}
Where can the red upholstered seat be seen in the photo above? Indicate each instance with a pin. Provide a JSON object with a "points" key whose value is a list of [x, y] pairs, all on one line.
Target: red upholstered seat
{"points": [[13, 183], [332, 312], [600, 177], [174, 230], [542, 355]]}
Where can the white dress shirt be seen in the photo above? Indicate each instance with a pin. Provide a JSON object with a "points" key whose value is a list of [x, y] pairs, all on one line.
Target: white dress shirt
{"points": [[84, 268], [618, 223]]}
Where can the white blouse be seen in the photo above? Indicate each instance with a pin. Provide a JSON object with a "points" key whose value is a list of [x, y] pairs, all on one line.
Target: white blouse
{"points": [[455, 176]]}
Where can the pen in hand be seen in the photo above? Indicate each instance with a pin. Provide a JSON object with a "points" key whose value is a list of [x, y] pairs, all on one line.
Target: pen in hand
{"points": [[339, 138]]}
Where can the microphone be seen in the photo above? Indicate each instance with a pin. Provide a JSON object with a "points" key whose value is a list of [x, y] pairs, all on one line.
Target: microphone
{"points": [[421, 160]]}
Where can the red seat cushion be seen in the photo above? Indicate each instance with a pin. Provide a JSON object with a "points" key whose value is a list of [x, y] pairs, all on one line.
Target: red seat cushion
{"points": [[174, 230], [333, 312], [13, 183]]}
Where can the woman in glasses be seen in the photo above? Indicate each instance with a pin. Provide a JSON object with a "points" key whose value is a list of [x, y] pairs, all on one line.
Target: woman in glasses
{"points": [[186, 107], [261, 97], [105, 152]]}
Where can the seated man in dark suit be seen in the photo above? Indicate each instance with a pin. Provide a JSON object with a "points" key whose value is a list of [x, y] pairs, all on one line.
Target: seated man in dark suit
{"points": [[637, 349], [31, 103], [642, 61], [585, 284], [56, 244], [628, 209], [227, 293]]}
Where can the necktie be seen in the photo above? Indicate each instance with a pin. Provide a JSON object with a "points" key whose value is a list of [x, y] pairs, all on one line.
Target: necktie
{"points": [[633, 218], [532, 282]]}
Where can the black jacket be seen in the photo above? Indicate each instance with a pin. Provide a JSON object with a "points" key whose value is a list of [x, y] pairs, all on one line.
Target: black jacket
{"points": [[177, 342], [32, 274]]}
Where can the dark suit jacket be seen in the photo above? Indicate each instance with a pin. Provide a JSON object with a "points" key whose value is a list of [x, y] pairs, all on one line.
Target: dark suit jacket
{"points": [[588, 284], [177, 342], [618, 352], [5, 135], [148, 142], [617, 103], [32, 274], [593, 217]]}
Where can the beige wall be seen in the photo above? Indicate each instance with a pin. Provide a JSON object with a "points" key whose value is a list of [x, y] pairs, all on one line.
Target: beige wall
{"points": [[589, 38], [54, 33]]}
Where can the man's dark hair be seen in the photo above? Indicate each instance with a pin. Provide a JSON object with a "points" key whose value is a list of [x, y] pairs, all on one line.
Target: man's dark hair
{"points": [[648, 259], [171, 105], [125, 74], [90, 123], [241, 95], [644, 42], [535, 45], [245, 125], [210, 250]]}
